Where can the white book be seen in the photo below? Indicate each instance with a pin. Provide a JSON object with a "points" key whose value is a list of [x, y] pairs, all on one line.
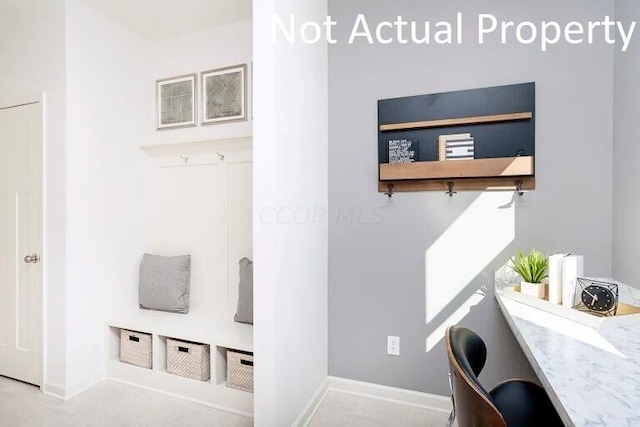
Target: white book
{"points": [[460, 149], [555, 278], [454, 137], [444, 140], [460, 143], [572, 268]]}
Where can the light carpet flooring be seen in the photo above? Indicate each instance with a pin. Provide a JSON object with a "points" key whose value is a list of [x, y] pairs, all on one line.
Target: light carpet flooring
{"points": [[110, 404], [342, 409]]}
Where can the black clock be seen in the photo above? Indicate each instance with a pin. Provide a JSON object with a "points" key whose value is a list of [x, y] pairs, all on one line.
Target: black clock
{"points": [[596, 297]]}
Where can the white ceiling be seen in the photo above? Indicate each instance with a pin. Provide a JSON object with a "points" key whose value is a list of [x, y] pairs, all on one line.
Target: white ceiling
{"points": [[158, 19]]}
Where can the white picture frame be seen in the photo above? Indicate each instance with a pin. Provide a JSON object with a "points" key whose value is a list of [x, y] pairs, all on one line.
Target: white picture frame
{"points": [[224, 95], [176, 105]]}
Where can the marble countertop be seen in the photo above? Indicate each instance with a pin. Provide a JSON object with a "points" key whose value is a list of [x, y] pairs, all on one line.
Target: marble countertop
{"points": [[591, 375]]}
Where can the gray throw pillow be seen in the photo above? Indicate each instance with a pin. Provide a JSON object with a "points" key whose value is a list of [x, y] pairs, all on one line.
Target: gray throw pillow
{"points": [[245, 298], [164, 283]]}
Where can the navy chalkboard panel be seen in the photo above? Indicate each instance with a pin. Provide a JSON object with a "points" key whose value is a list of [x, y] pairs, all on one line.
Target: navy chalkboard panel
{"points": [[496, 139]]}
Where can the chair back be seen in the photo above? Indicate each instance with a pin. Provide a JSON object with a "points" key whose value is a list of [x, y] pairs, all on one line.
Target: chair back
{"points": [[473, 406]]}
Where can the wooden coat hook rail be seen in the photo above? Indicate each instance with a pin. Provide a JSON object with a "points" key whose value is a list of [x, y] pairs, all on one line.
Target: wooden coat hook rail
{"points": [[519, 186]]}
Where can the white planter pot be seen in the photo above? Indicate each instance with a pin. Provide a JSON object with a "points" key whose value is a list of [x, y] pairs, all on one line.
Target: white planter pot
{"points": [[532, 289]]}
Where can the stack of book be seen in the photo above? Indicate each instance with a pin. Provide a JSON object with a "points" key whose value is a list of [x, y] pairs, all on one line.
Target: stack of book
{"points": [[458, 146]]}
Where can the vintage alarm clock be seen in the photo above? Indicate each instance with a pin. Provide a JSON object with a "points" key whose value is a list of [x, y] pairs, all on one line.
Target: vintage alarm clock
{"points": [[596, 297]]}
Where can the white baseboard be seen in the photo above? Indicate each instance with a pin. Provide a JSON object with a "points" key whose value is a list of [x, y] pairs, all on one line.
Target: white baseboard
{"points": [[53, 390], [79, 388], [182, 397], [66, 393], [312, 407], [400, 396], [392, 394]]}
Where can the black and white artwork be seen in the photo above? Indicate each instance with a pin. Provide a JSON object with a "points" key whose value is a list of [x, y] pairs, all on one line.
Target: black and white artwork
{"points": [[403, 150], [223, 95], [176, 103]]}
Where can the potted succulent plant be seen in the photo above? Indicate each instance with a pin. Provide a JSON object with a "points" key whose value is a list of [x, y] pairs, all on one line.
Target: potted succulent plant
{"points": [[533, 268]]}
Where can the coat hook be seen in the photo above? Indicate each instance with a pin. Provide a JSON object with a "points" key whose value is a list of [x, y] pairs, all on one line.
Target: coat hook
{"points": [[519, 190], [450, 187], [185, 159], [389, 192], [221, 156]]}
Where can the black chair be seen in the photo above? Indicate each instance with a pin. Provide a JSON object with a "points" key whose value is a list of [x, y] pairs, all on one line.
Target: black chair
{"points": [[513, 403]]}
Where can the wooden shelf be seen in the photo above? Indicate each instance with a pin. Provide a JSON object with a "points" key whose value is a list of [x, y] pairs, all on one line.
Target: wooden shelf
{"points": [[450, 169], [457, 122]]}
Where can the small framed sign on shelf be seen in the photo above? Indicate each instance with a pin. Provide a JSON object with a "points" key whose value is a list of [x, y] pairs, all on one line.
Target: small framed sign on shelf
{"points": [[224, 95], [176, 102], [403, 150]]}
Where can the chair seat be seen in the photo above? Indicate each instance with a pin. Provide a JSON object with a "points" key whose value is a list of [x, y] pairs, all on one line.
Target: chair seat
{"points": [[524, 404]]}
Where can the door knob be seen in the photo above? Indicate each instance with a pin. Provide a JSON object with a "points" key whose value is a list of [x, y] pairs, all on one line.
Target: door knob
{"points": [[32, 259]]}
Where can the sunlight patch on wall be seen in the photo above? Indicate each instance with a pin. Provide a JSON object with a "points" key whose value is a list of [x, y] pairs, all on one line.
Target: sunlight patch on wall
{"points": [[438, 333], [466, 248]]}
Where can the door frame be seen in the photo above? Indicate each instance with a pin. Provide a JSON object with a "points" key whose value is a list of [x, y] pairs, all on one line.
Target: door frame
{"points": [[40, 99]]}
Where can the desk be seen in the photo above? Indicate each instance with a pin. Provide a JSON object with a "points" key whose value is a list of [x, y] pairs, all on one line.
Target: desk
{"points": [[592, 376]]}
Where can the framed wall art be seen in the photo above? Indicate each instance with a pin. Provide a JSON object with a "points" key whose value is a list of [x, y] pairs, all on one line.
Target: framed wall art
{"points": [[224, 97], [176, 102]]}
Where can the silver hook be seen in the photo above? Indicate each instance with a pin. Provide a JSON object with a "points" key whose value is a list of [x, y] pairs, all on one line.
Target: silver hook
{"points": [[221, 157], [185, 159], [389, 193], [450, 185]]}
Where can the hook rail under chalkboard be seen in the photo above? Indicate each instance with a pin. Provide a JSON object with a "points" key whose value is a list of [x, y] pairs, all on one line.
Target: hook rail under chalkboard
{"points": [[520, 185]]}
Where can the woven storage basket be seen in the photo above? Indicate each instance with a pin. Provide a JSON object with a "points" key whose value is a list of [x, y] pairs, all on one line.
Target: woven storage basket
{"points": [[240, 370], [188, 359], [135, 348]]}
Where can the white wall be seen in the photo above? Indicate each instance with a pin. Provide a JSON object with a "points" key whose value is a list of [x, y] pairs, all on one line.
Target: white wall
{"points": [[290, 175], [202, 51], [377, 270], [106, 205], [626, 151], [111, 74], [32, 54], [97, 185]]}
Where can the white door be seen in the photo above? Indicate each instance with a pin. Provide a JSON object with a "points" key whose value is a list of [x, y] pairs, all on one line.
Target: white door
{"points": [[21, 243]]}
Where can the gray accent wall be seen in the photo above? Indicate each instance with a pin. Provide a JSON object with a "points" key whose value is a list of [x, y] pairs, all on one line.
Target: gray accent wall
{"points": [[626, 152], [378, 247]]}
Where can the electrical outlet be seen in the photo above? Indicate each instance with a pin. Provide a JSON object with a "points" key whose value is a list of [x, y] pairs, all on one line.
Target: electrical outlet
{"points": [[393, 346]]}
